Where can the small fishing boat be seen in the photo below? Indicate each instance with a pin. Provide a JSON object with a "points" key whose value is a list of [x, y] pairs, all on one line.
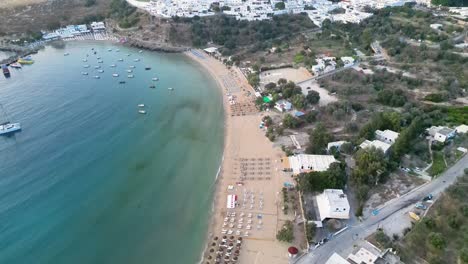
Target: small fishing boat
{"points": [[132, 67], [122, 82], [128, 54], [26, 60], [86, 66], [112, 65], [170, 89], [141, 105], [147, 68], [117, 50], [109, 49], [100, 61], [97, 67], [115, 74], [130, 76], [140, 51], [84, 60], [129, 71], [84, 73], [8, 127], [16, 65], [136, 60], [120, 59], [142, 112], [100, 71], [97, 77], [5, 70], [66, 54], [155, 79], [98, 58], [152, 86]]}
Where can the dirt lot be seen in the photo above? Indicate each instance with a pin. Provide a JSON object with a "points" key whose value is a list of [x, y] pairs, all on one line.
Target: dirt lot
{"points": [[397, 185]]}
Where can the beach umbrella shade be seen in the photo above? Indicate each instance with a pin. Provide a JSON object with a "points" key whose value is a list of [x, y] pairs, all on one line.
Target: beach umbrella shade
{"points": [[212, 250], [215, 238]]}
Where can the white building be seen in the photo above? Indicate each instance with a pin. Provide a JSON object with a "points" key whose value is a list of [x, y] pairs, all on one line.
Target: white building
{"points": [[441, 133], [387, 136], [98, 26], [336, 259], [335, 144], [363, 256], [377, 144], [347, 61], [462, 129], [283, 105], [305, 163], [333, 203]]}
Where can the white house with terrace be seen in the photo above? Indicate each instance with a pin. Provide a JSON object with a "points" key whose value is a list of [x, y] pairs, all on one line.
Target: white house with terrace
{"points": [[260, 10]]}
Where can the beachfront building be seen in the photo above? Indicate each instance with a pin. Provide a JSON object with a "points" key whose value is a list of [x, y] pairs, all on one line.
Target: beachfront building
{"points": [[333, 204], [98, 26], [303, 163]]}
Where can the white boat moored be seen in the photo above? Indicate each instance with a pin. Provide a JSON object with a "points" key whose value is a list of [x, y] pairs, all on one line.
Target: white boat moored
{"points": [[115, 74], [141, 105], [8, 127], [130, 76], [142, 111]]}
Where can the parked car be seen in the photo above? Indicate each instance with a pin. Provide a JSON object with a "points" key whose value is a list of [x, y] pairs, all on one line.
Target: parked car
{"points": [[421, 206], [428, 197]]}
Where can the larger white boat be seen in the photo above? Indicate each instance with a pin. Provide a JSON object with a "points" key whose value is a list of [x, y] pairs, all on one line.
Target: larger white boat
{"points": [[8, 127]]}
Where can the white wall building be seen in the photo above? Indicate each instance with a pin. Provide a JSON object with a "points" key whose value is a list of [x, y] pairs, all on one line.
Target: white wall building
{"points": [[441, 133], [333, 204], [387, 136], [335, 144], [462, 129], [305, 163]]}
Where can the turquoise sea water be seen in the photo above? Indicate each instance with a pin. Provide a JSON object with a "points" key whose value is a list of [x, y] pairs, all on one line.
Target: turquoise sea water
{"points": [[89, 179]]}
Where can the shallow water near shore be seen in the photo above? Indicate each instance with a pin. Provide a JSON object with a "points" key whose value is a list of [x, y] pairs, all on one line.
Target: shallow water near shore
{"points": [[89, 179]]}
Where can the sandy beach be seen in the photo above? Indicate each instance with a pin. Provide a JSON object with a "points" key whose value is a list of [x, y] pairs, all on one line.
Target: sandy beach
{"points": [[251, 170]]}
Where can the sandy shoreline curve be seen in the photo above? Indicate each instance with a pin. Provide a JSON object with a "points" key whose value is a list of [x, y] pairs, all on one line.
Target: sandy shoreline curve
{"points": [[250, 169]]}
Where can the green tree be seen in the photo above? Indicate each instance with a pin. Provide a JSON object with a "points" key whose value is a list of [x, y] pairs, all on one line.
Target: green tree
{"points": [[280, 6], [313, 97], [437, 240], [253, 79], [290, 121], [370, 165], [318, 140], [298, 101], [286, 233]]}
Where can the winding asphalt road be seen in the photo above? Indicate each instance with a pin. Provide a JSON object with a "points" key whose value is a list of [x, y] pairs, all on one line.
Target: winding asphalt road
{"points": [[389, 214]]}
